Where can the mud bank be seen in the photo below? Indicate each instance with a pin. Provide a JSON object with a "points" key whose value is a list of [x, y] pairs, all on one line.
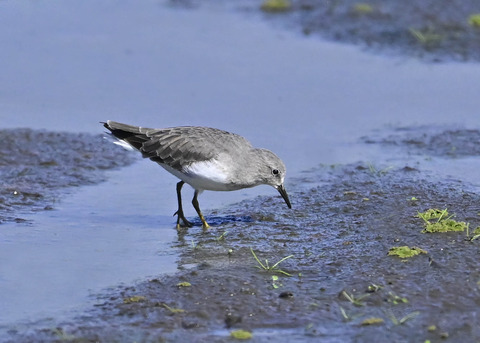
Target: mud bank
{"points": [[431, 30], [341, 285], [37, 167]]}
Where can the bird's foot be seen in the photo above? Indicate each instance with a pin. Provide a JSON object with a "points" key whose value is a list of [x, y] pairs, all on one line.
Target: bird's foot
{"points": [[205, 226], [181, 217], [204, 223]]}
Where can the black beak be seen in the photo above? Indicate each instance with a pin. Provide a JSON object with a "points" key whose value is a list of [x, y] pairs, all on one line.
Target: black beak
{"points": [[284, 195]]}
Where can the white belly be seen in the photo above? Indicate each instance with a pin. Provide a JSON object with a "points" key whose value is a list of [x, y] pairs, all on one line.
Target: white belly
{"points": [[208, 175]]}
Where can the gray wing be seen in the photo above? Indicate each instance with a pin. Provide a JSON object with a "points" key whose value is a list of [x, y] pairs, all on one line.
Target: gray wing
{"points": [[178, 147]]}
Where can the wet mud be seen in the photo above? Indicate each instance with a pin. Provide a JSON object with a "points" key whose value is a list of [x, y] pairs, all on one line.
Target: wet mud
{"points": [[337, 282], [431, 30], [429, 141], [37, 167]]}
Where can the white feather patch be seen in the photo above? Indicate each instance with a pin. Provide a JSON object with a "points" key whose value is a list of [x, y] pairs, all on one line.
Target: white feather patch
{"points": [[116, 141], [207, 175], [211, 170], [124, 145]]}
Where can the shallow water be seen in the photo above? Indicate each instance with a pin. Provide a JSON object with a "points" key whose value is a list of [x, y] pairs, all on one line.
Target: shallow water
{"points": [[151, 65], [57, 258]]}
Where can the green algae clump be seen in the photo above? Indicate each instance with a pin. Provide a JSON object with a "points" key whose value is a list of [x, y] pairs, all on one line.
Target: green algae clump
{"points": [[474, 20], [443, 222], [405, 251], [134, 299], [184, 284], [241, 334], [372, 321], [446, 225], [433, 213], [276, 6], [172, 309], [362, 8]]}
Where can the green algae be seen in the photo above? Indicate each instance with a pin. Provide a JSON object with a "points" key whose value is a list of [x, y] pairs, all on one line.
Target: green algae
{"points": [[362, 8], [443, 222], [433, 213], [446, 225], [184, 284], [396, 299], [372, 321], [134, 299], [275, 6], [241, 334], [405, 251], [474, 20], [172, 309]]}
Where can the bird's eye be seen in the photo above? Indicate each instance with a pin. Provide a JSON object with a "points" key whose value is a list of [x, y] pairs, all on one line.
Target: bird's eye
{"points": [[275, 171]]}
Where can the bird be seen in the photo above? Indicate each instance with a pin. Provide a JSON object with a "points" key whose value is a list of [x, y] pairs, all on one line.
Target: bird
{"points": [[205, 158]]}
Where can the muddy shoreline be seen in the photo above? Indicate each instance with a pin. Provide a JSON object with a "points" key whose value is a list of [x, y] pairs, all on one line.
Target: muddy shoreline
{"points": [[38, 167], [429, 30], [342, 285]]}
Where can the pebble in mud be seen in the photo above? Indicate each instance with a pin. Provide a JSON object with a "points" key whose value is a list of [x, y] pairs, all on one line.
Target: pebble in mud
{"points": [[286, 294]]}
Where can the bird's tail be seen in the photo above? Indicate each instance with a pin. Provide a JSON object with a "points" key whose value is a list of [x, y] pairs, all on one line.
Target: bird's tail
{"points": [[128, 136]]}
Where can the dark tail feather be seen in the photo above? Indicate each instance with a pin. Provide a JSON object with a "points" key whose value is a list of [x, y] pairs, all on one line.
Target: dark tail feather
{"points": [[133, 135]]}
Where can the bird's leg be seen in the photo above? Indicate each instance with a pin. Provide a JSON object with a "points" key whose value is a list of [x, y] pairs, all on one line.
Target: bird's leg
{"points": [[179, 213], [197, 208]]}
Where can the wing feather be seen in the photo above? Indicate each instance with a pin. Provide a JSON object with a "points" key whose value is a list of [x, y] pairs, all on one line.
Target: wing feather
{"points": [[177, 147]]}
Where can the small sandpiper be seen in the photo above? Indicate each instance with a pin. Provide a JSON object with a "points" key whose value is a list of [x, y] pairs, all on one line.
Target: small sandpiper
{"points": [[206, 159]]}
